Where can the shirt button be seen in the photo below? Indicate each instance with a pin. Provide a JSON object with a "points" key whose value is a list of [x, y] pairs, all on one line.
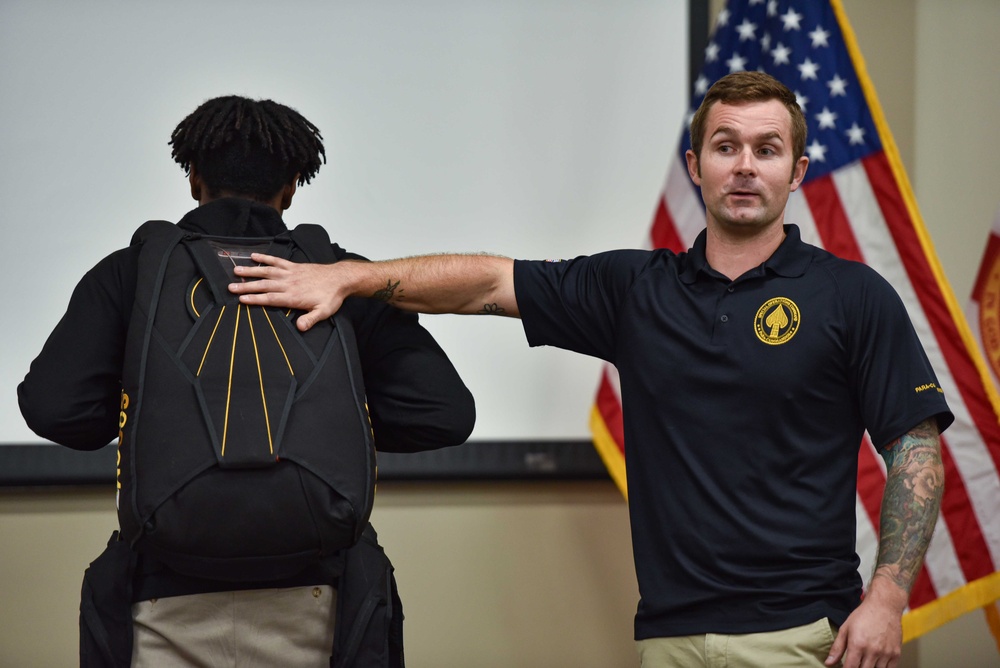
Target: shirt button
{"points": [[725, 318], [730, 289]]}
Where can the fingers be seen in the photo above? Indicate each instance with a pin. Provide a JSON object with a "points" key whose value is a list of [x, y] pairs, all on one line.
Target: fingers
{"points": [[249, 288], [269, 267], [270, 260], [857, 657], [873, 656], [260, 299], [285, 284], [837, 649], [262, 273], [307, 320], [259, 293]]}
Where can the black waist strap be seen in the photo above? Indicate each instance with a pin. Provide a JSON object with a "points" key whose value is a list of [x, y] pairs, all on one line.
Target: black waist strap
{"points": [[154, 580]]}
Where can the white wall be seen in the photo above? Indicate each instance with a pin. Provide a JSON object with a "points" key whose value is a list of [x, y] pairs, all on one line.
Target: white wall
{"points": [[531, 129]]}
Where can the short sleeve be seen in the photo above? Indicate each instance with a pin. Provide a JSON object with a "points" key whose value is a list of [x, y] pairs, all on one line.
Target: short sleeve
{"points": [[574, 304], [896, 384]]}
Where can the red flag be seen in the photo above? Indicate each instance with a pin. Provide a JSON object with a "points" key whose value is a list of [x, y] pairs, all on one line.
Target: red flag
{"points": [[857, 203]]}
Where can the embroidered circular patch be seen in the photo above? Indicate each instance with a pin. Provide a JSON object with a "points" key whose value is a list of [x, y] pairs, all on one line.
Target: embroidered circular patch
{"points": [[777, 321], [989, 315]]}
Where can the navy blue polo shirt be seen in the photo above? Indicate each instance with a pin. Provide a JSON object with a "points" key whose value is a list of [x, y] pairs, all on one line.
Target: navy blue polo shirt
{"points": [[745, 403]]}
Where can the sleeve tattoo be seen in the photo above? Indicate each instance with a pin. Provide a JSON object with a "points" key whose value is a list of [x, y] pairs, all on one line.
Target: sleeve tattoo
{"points": [[913, 488]]}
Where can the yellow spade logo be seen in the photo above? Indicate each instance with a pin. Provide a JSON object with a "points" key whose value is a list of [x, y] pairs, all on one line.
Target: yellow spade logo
{"points": [[777, 321]]}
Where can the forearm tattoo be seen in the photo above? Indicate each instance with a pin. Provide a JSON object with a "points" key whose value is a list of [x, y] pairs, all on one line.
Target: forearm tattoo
{"points": [[491, 309], [387, 293], [913, 488]]}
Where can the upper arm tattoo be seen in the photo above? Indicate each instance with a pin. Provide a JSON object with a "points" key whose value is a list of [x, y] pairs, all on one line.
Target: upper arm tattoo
{"points": [[912, 500]]}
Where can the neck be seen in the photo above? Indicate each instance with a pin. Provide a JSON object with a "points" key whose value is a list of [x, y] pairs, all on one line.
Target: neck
{"points": [[203, 194], [733, 254]]}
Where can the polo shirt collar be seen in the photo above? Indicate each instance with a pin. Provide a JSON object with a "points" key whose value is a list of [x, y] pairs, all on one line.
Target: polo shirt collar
{"points": [[788, 259]]}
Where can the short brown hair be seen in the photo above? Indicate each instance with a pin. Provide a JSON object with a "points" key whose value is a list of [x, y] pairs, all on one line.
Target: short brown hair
{"points": [[741, 87]]}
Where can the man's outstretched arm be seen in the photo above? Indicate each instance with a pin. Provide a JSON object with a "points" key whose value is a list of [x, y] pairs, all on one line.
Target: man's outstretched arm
{"points": [[464, 284]]}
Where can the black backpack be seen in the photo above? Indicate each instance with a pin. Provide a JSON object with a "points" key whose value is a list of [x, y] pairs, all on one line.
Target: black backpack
{"points": [[245, 449]]}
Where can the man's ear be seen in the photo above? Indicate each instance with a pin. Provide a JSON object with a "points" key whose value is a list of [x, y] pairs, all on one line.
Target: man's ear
{"points": [[197, 185], [694, 169], [288, 192], [799, 172]]}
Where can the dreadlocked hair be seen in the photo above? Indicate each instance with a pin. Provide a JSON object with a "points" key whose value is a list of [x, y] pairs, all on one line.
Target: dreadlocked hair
{"points": [[248, 147]]}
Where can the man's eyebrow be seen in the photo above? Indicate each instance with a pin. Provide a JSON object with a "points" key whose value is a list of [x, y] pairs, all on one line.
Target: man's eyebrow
{"points": [[771, 136], [724, 130], [727, 131]]}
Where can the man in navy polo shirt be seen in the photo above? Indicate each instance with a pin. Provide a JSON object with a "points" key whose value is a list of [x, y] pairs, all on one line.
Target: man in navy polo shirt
{"points": [[750, 368]]}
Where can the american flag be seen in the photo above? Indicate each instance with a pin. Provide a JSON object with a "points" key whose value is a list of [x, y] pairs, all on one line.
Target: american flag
{"points": [[856, 202]]}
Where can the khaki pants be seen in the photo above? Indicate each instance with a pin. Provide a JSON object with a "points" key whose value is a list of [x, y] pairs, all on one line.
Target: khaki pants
{"points": [[258, 628], [802, 646]]}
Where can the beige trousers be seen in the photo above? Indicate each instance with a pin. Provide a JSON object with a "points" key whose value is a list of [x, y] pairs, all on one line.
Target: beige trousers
{"points": [[799, 647], [258, 628]]}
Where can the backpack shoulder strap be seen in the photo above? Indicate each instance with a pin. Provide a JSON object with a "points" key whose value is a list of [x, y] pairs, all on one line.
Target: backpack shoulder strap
{"points": [[153, 228], [314, 241], [156, 239]]}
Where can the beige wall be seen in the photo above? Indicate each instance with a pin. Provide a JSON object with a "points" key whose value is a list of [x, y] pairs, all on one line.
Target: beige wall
{"points": [[957, 147], [956, 172], [491, 575], [540, 574]]}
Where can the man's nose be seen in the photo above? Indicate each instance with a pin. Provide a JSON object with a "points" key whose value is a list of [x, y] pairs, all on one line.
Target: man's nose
{"points": [[745, 163]]}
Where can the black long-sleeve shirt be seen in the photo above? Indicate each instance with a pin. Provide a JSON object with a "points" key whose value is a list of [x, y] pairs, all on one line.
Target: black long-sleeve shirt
{"points": [[72, 391]]}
